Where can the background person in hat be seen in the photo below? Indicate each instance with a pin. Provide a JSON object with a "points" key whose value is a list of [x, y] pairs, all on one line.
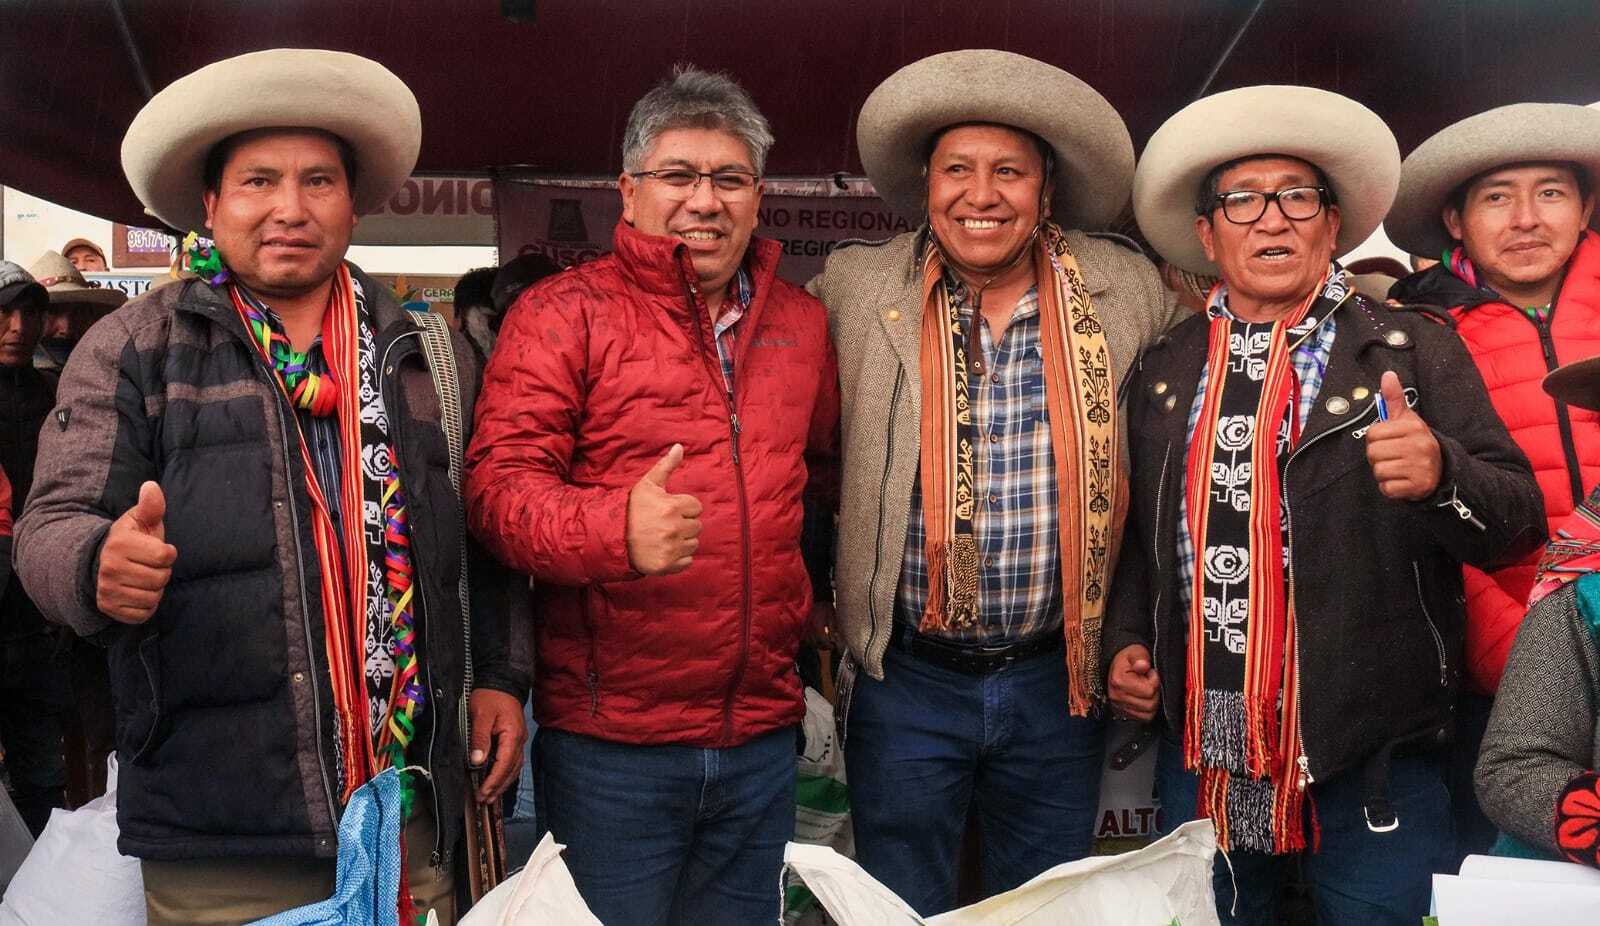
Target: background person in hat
{"points": [[1538, 776], [1287, 607], [75, 304], [34, 670], [85, 255], [656, 442], [1505, 198], [984, 486], [244, 493]]}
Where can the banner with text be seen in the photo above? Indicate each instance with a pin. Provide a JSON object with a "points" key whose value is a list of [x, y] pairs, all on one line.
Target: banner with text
{"points": [[571, 221]]}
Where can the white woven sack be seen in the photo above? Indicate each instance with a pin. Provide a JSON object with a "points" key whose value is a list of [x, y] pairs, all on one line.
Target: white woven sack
{"points": [[541, 894], [75, 873], [1168, 880]]}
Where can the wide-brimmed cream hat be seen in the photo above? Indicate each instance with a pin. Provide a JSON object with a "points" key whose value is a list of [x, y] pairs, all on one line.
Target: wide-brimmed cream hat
{"points": [[1347, 141], [1515, 134], [1093, 152], [66, 284], [357, 99]]}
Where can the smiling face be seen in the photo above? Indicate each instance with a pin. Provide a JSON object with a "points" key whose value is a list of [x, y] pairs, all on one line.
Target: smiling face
{"points": [[1273, 262], [985, 187], [714, 225], [1519, 224], [282, 212]]}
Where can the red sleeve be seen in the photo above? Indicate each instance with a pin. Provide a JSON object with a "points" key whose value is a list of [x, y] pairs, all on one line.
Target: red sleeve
{"points": [[7, 516], [519, 502], [1492, 621]]}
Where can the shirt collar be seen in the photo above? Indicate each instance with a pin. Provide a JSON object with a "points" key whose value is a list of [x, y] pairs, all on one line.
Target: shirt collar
{"points": [[1217, 305]]}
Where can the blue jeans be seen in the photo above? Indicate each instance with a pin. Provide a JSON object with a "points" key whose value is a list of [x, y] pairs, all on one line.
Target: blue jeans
{"points": [[926, 742], [671, 834], [1357, 877]]}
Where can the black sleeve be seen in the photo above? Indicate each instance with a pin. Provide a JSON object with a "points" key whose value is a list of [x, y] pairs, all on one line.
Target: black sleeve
{"points": [[1488, 509]]}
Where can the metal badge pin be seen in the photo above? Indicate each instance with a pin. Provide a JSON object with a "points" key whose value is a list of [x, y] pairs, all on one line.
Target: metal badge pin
{"points": [[1397, 338], [1170, 403], [1337, 405], [1360, 393], [1160, 388]]}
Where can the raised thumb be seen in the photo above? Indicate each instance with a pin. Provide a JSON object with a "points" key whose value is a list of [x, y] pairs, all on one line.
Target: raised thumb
{"points": [[150, 510], [663, 469], [1394, 397]]}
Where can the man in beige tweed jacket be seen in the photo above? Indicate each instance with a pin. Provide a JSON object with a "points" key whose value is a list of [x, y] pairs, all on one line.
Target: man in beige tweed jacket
{"points": [[981, 683]]}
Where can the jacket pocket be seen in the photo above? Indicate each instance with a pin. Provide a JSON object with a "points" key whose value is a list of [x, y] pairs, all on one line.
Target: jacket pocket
{"points": [[137, 682], [1433, 628]]}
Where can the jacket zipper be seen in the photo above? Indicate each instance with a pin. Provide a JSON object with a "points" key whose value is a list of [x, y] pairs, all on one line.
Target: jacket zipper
{"points": [[1569, 448], [1155, 547], [1288, 521], [384, 374], [700, 313], [883, 493], [299, 562], [1438, 641]]}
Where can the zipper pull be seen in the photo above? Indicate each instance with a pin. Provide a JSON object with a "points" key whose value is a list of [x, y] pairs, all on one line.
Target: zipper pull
{"points": [[735, 430], [1305, 771], [1461, 509]]}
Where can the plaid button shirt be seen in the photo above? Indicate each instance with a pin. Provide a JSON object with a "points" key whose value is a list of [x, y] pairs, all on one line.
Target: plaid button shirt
{"points": [[733, 309], [1310, 362], [1019, 587]]}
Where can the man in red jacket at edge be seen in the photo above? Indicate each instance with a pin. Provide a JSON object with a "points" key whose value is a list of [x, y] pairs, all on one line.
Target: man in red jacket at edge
{"points": [[649, 428], [1504, 199]]}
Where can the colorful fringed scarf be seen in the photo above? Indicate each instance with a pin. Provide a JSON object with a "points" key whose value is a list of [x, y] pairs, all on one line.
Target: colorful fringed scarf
{"points": [[1573, 550], [1083, 435], [1242, 711], [368, 605]]}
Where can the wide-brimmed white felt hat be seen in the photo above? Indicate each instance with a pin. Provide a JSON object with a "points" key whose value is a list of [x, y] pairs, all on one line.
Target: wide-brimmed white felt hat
{"points": [[1516, 134], [1093, 151], [354, 98], [1348, 142]]}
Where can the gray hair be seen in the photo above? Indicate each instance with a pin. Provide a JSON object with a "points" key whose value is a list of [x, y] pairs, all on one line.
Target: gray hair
{"points": [[695, 99]]}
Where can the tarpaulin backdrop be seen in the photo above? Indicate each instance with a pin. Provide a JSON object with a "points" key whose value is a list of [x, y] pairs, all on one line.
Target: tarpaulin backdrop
{"points": [[571, 220]]}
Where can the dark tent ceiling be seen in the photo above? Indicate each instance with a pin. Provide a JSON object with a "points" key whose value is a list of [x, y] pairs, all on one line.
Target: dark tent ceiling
{"points": [[554, 93]]}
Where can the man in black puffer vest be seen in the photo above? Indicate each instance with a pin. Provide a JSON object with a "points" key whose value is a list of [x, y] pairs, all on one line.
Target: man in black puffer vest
{"points": [[245, 492]]}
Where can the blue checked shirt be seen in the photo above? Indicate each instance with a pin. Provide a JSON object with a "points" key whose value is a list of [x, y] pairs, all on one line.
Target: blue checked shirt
{"points": [[1019, 574], [1310, 362], [733, 309]]}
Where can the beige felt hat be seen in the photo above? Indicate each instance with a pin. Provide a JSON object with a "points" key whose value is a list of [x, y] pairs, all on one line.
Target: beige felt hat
{"points": [[357, 99], [1346, 140], [1512, 134], [1094, 154], [66, 285]]}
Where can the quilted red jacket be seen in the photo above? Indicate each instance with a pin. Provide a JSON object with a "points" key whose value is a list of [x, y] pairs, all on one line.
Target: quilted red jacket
{"points": [[1513, 352], [597, 373]]}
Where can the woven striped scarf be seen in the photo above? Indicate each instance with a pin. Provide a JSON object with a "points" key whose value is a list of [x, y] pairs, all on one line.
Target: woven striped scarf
{"points": [[365, 560], [1242, 710], [1081, 401]]}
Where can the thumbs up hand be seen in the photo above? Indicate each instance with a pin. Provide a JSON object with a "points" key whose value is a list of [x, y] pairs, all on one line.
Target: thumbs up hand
{"points": [[663, 529], [135, 560], [1404, 454]]}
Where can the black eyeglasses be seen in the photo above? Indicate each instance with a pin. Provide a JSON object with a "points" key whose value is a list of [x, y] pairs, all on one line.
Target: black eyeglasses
{"points": [[1241, 207], [728, 184]]}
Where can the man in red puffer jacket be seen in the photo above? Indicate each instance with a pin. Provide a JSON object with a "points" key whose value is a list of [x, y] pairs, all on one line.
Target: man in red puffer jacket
{"points": [[1505, 198], [650, 426]]}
